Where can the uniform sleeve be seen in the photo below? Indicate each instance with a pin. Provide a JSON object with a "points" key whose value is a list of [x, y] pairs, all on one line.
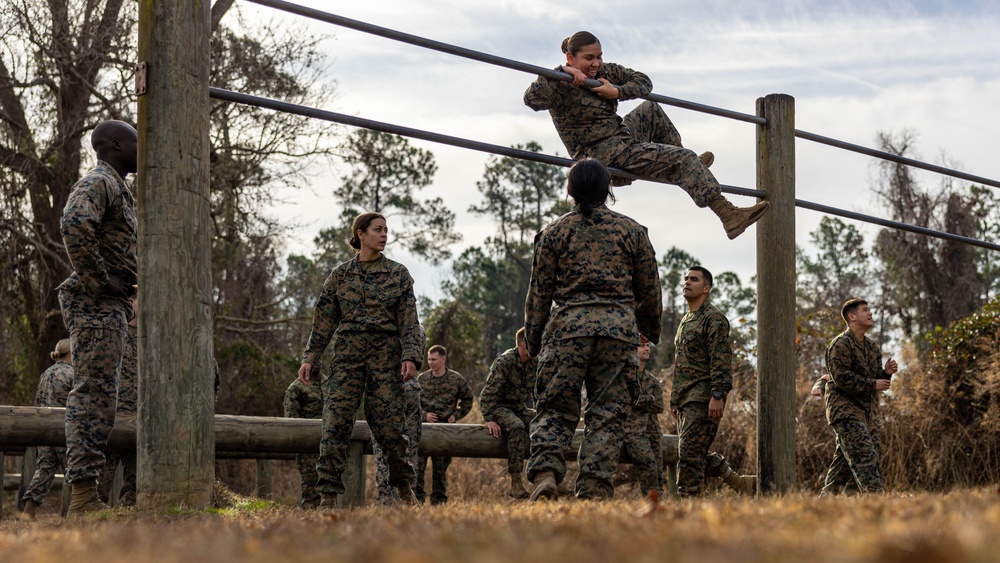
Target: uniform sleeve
{"points": [[647, 291], [848, 382], [543, 92], [464, 398], [631, 84], [541, 289], [411, 333], [326, 319], [490, 396], [720, 353], [80, 221]]}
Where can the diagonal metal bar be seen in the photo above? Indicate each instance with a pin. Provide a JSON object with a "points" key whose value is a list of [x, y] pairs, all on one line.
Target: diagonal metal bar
{"points": [[277, 105]]}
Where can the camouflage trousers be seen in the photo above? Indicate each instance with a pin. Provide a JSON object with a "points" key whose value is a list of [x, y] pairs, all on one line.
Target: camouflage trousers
{"points": [[514, 428], [855, 462], [696, 432], [49, 462], [656, 152], [439, 478], [608, 370], [308, 495], [642, 442], [106, 481], [363, 364], [385, 492]]}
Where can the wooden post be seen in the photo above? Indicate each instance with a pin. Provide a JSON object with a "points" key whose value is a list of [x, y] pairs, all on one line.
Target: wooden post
{"points": [[175, 443], [355, 477], [263, 482], [3, 472], [776, 296]]}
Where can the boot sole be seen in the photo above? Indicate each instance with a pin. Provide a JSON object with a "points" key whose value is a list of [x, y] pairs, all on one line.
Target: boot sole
{"points": [[545, 493]]}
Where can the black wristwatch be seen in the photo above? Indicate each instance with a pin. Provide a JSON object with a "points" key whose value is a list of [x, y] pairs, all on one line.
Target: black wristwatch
{"points": [[718, 395]]}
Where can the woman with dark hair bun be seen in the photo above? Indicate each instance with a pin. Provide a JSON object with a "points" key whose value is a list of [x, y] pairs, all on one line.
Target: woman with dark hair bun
{"points": [[645, 142], [594, 290], [369, 305]]}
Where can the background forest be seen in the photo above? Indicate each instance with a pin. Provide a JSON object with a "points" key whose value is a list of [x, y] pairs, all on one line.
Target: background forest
{"points": [[65, 65]]}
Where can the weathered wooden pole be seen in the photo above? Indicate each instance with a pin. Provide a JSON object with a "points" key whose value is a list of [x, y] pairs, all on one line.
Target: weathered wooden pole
{"points": [[776, 296], [175, 443]]}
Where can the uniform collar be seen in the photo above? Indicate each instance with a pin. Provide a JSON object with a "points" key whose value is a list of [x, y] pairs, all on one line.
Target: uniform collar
{"points": [[106, 168]]}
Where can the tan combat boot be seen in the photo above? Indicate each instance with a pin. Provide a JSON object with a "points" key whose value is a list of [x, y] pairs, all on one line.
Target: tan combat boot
{"points": [[736, 219], [327, 501], [84, 499], [406, 496], [742, 484], [707, 158], [517, 489], [28, 514], [545, 487]]}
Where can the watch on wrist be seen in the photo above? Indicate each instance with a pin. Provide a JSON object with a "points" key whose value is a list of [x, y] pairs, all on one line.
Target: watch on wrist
{"points": [[718, 395]]}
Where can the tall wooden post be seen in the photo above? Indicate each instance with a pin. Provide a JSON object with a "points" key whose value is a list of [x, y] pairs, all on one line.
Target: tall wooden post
{"points": [[776, 296], [175, 432]]}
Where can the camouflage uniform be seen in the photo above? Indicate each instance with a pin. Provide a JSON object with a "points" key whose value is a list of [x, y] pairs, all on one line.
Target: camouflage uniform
{"points": [[53, 387], [505, 400], [412, 430], [305, 401], [852, 411], [127, 403], [600, 273], [99, 230], [373, 314], [444, 396], [643, 434], [645, 142], [702, 365]]}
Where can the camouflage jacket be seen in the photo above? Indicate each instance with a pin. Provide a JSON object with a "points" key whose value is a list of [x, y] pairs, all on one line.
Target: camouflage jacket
{"points": [[99, 230], [600, 274], [509, 385], [588, 124], [303, 401], [444, 396], [703, 360], [854, 365], [650, 399], [54, 385], [128, 380], [377, 301]]}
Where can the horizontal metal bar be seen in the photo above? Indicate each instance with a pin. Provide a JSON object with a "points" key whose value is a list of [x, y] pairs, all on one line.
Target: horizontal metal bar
{"points": [[894, 224], [229, 95], [418, 41], [895, 158]]}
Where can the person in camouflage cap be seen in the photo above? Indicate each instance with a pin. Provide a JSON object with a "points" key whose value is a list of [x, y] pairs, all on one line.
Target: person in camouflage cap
{"points": [[852, 395], [306, 401], [53, 387], [368, 304], [594, 289], [127, 403], [99, 230], [506, 401], [702, 378], [644, 143], [385, 495], [642, 428], [445, 396]]}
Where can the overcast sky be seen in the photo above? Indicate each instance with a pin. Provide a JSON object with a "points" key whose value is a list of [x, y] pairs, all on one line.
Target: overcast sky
{"points": [[854, 67]]}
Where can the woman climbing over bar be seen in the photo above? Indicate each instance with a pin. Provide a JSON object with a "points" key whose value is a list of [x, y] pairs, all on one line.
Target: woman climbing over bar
{"points": [[644, 142]]}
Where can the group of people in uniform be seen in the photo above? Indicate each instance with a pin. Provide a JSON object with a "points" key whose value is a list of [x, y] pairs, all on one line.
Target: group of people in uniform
{"points": [[592, 309]]}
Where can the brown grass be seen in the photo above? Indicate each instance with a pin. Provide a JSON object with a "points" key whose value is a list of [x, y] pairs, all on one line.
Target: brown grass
{"points": [[925, 528]]}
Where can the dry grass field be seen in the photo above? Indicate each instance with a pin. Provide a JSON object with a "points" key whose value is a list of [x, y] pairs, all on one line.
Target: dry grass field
{"points": [[961, 526]]}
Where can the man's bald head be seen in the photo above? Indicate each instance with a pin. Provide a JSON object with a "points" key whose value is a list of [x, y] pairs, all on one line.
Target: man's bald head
{"points": [[116, 142]]}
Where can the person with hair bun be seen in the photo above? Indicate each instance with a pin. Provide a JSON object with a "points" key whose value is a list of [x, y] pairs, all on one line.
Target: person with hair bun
{"points": [[53, 387], [645, 142], [368, 306], [594, 289]]}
